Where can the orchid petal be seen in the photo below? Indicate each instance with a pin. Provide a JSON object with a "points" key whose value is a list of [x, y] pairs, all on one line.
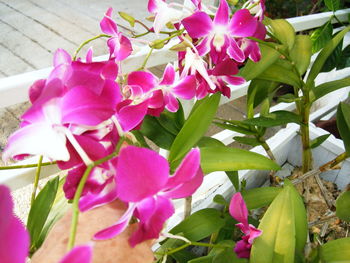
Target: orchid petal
{"points": [[242, 249], [152, 6], [168, 75], [198, 25], [89, 55], [234, 80], [149, 174], [145, 209], [171, 103], [204, 46], [226, 67], [186, 88], [61, 57], [222, 15], [253, 233], [117, 228], [242, 24], [151, 228], [132, 115], [79, 254], [125, 48], [36, 90], [235, 52], [238, 209], [145, 80], [14, 237]]}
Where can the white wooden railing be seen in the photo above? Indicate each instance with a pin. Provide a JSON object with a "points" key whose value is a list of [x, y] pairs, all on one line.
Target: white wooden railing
{"points": [[14, 90]]}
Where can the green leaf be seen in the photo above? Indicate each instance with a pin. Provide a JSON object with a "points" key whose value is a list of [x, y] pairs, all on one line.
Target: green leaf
{"points": [[345, 61], [253, 69], [321, 36], [195, 127], [318, 141], [283, 31], [219, 199], [323, 55], [343, 124], [336, 251], [235, 128], [260, 197], [284, 229], [40, 210], [233, 159], [226, 255], [301, 53], [325, 88], [127, 18], [275, 118], [332, 5], [234, 179], [246, 140], [154, 131], [334, 59], [343, 206], [140, 138], [288, 98], [281, 71], [209, 142], [200, 224]]}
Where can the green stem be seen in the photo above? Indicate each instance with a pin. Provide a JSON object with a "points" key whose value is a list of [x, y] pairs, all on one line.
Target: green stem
{"points": [[87, 42], [25, 166], [192, 243], [146, 60], [77, 195], [36, 179], [305, 137]]}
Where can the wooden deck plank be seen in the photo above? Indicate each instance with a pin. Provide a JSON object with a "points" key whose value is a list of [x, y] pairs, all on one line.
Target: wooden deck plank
{"points": [[12, 64], [25, 47], [32, 29]]}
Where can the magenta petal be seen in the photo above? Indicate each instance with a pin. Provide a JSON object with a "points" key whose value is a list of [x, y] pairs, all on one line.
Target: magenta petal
{"points": [[151, 228], [89, 55], [168, 76], [148, 175], [243, 24], [222, 16], [145, 80], [107, 24], [235, 52], [132, 115], [110, 71], [125, 48], [171, 103], [146, 208], [242, 249], [204, 46], [226, 67], [253, 233], [36, 89], [79, 254], [61, 57], [188, 188], [152, 6], [14, 238], [186, 88], [117, 228], [198, 25], [238, 209], [233, 80]]}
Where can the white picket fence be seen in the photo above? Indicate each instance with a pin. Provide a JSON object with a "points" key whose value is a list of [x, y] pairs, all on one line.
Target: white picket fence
{"points": [[14, 90]]}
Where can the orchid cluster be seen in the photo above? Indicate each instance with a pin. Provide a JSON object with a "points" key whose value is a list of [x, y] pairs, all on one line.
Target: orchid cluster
{"points": [[85, 112]]}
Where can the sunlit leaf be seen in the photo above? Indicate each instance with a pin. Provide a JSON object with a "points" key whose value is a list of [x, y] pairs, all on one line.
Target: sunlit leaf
{"points": [[336, 251], [343, 124], [321, 36], [332, 5], [301, 53], [282, 30], [318, 141], [260, 197], [275, 118], [325, 88], [343, 206]]}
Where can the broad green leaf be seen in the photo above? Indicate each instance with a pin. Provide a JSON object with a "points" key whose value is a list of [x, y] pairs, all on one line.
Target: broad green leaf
{"points": [[321, 36], [219, 199], [140, 139], [234, 127], [195, 127], [183, 256], [343, 124], [301, 53], [234, 179], [336, 251], [332, 5], [209, 142], [233, 159], [345, 58], [288, 98], [334, 58], [246, 140], [325, 88], [318, 141], [283, 31], [253, 69], [281, 71], [40, 210], [260, 197], [226, 255], [154, 131], [282, 236], [169, 244], [323, 55], [127, 18], [343, 206], [275, 118], [200, 224], [205, 259]]}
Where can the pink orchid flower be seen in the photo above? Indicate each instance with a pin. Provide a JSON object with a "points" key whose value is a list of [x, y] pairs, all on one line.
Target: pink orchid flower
{"points": [[256, 7], [239, 211], [220, 35], [15, 238], [173, 87], [144, 183], [119, 45]]}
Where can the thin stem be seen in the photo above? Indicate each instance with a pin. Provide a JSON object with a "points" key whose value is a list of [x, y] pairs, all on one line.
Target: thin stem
{"points": [[87, 42], [143, 25], [305, 135], [146, 59], [25, 166], [77, 195], [188, 206], [36, 180]]}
